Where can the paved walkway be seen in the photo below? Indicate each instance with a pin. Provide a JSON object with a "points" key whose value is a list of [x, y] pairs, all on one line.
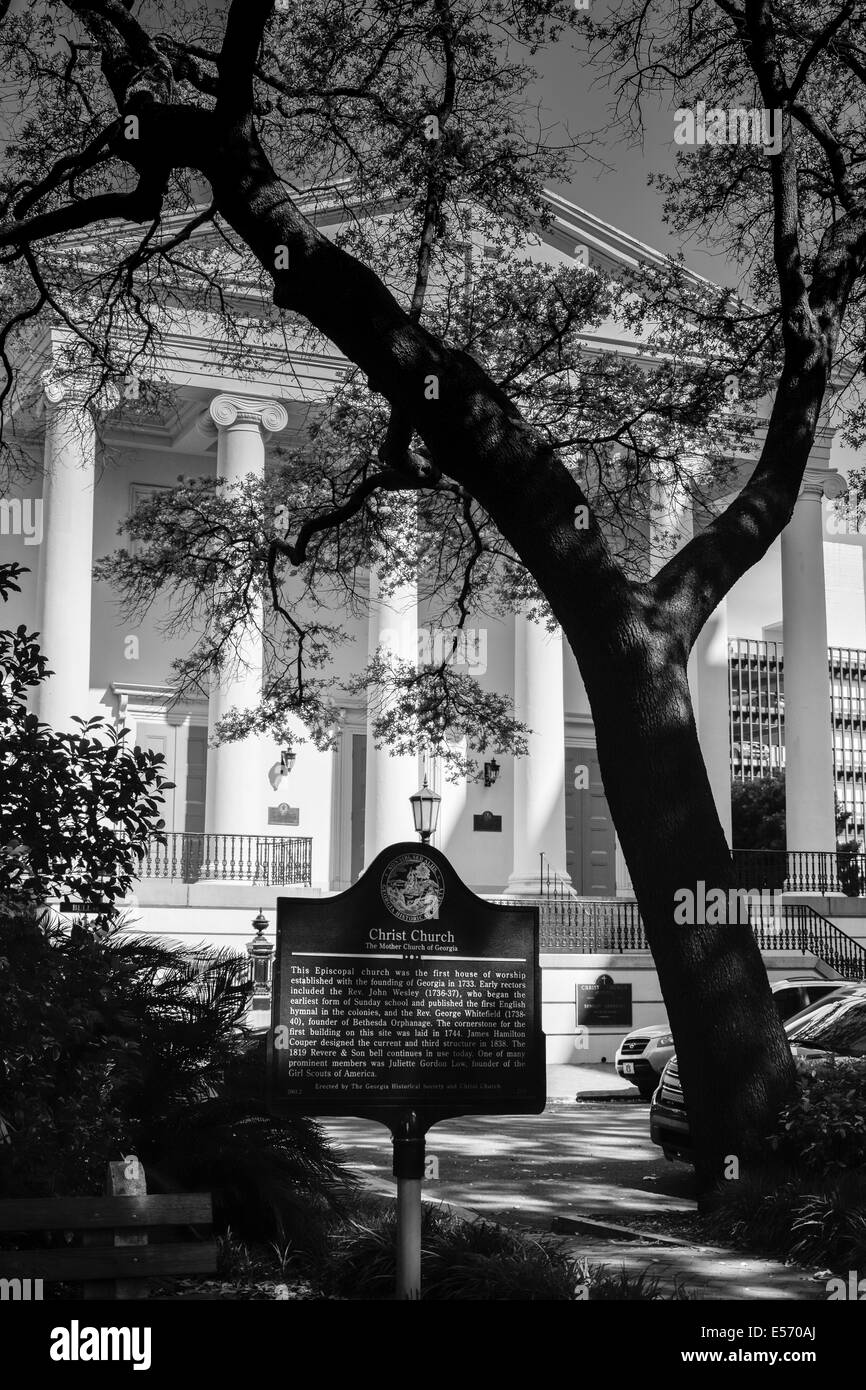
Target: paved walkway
{"points": [[566, 1081], [560, 1171]]}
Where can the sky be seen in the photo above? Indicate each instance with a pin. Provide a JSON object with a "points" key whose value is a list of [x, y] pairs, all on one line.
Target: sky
{"points": [[574, 94], [571, 94]]}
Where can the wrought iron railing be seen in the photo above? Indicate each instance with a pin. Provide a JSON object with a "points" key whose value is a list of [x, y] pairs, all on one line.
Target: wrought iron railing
{"points": [[586, 925], [595, 926], [550, 883], [799, 928], [277, 860], [802, 871]]}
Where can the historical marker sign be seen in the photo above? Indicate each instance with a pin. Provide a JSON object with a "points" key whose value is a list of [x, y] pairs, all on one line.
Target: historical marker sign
{"points": [[487, 821], [604, 1003], [407, 993]]}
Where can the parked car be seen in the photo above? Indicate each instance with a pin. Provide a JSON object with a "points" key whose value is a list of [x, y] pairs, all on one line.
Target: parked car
{"points": [[834, 1024], [644, 1053]]}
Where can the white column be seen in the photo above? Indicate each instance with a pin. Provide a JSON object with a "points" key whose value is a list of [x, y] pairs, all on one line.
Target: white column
{"points": [[539, 790], [713, 709], [624, 887], [238, 792], [809, 780], [671, 513], [391, 780], [66, 560]]}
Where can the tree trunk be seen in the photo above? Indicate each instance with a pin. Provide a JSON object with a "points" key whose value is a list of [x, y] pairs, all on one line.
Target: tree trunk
{"points": [[734, 1060]]}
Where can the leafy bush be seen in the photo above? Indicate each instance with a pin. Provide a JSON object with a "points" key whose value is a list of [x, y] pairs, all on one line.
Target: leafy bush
{"points": [[623, 1285], [76, 808], [810, 1205], [787, 1214], [459, 1260], [112, 1044], [462, 1260], [824, 1129]]}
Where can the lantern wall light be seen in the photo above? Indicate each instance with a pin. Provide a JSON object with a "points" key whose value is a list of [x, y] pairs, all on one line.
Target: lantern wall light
{"points": [[491, 772]]}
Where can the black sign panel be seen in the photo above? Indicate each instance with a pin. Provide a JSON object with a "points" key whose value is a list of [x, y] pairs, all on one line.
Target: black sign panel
{"points": [[487, 821], [407, 992], [604, 1003]]}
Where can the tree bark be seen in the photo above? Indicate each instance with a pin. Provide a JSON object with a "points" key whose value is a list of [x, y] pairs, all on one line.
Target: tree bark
{"points": [[631, 645], [734, 1060]]}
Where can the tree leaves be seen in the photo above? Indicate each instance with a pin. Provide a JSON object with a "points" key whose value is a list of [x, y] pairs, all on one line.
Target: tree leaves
{"points": [[76, 809]]}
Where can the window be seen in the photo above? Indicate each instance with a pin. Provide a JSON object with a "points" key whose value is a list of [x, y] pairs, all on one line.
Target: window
{"points": [[138, 493]]}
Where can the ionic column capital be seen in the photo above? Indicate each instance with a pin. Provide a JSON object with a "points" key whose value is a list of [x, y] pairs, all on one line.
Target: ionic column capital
{"points": [[80, 393], [228, 409], [819, 483]]}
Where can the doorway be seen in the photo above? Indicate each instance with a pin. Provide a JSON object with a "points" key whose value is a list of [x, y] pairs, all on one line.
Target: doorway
{"points": [[590, 855]]}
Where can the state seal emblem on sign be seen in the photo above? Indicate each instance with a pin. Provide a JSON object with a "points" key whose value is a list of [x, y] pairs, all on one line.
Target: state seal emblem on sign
{"points": [[413, 888]]}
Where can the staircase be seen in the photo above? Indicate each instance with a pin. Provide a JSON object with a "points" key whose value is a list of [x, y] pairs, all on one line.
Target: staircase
{"points": [[803, 929], [589, 926]]}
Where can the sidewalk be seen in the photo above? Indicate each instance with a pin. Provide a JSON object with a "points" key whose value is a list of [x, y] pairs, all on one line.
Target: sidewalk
{"points": [[583, 1173], [567, 1081]]}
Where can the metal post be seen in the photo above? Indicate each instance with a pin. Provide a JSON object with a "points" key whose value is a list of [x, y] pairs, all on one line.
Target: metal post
{"points": [[408, 1137], [408, 1238]]}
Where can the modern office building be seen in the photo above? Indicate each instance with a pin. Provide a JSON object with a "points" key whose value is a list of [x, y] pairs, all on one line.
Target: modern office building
{"points": [[757, 711]]}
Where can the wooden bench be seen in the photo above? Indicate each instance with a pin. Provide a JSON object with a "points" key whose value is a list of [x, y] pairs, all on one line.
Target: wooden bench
{"points": [[116, 1258]]}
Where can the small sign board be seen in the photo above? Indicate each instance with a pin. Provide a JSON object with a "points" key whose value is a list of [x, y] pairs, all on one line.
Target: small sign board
{"points": [[284, 814], [487, 821], [406, 993], [604, 1003]]}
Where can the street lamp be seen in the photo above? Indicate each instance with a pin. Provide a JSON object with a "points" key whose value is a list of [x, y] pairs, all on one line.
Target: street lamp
{"points": [[425, 811], [491, 772]]}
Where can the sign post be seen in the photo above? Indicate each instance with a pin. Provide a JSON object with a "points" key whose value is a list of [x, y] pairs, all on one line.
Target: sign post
{"points": [[407, 1000], [407, 1135]]}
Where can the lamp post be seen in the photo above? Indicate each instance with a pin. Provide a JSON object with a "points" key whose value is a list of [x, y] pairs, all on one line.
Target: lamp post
{"points": [[425, 811]]}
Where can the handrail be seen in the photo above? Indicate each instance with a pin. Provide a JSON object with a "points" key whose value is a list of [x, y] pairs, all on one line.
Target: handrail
{"points": [[803, 929], [583, 926], [189, 857], [802, 870]]}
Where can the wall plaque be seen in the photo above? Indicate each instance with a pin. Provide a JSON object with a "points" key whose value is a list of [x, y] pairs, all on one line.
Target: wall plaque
{"points": [[487, 821], [604, 1003], [406, 993], [284, 814]]}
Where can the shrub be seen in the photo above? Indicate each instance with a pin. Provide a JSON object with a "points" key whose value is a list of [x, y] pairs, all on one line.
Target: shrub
{"points": [[811, 1204], [112, 1044], [824, 1129], [791, 1215], [463, 1260], [459, 1260], [77, 808]]}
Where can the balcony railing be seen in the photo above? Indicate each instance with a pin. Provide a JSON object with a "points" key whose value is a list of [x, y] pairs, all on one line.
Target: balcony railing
{"points": [[586, 926], [802, 871], [275, 860]]}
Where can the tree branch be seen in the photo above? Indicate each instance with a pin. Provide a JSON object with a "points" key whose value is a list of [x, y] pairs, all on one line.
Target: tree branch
{"points": [[238, 59], [141, 205]]}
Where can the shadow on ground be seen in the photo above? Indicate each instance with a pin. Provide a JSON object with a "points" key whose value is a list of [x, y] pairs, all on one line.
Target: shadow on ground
{"points": [[589, 1160]]}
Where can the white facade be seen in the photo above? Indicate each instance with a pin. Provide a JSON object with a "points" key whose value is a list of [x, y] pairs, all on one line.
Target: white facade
{"points": [[352, 801]]}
